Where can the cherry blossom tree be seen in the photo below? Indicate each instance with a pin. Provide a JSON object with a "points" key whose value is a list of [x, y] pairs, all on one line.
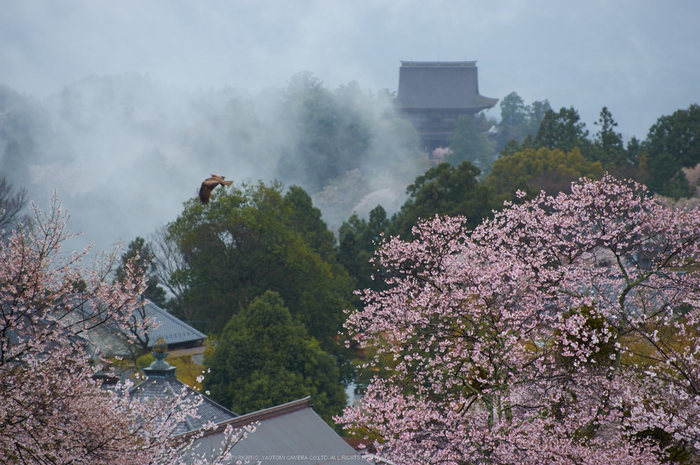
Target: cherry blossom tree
{"points": [[561, 331], [52, 410]]}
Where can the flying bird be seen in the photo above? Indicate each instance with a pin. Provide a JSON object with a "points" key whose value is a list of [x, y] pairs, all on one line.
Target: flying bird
{"points": [[209, 185]]}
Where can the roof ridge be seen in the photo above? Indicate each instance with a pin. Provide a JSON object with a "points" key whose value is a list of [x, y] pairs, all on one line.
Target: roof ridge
{"points": [[438, 63], [264, 414], [174, 319]]}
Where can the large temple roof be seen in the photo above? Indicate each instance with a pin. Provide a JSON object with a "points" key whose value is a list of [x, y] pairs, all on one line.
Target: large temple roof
{"points": [[440, 85]]}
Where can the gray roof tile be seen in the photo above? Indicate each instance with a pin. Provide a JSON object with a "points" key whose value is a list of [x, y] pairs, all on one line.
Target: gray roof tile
{"points": [[440, 85], [165, 389], [291, 433], [171, 329]]}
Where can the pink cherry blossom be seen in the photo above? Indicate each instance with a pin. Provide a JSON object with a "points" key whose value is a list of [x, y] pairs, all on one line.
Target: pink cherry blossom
{"points": [[52, 411], [561, 331]]}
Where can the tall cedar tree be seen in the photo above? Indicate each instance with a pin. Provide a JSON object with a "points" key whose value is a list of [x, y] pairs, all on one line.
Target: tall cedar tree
{"points": [[358, 239], [673, 143], [264, 358], [443, 190]]}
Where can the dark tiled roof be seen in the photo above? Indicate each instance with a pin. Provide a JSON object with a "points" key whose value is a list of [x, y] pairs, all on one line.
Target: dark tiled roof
{"points": [[171, 329], [288, 433], [167, 388], [440, 85]]}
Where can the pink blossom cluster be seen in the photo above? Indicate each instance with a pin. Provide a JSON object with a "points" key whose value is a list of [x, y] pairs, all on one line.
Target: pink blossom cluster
{"points": [[564, 330], [52, 410]]}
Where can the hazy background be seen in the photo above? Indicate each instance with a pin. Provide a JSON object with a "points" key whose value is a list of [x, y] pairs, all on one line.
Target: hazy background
{"points": [[127, 98]]}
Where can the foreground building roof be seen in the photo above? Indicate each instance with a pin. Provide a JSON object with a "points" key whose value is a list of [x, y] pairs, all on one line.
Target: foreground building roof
{"points": [[290, 433]]}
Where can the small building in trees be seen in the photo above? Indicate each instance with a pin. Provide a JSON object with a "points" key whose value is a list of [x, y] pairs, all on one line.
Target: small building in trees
{"points": [[175, 332], [432, 95]]}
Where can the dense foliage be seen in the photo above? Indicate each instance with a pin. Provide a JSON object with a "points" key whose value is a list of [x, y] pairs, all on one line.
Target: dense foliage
{"points": [[563, 130], [444, 190], [329, 133], [257, 250], [357, 241], [661, 160], [534, 157], [518, 121], [533, 171], [673, 143], [264, 358], [251, 239], [560, 331]]}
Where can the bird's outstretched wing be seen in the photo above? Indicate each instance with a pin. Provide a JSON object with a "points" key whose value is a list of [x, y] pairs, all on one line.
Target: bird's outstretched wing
{"points": [[209, 184]]}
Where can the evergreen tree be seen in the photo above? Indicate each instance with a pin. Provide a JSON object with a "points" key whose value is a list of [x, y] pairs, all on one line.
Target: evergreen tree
{"points": [[443, 190], [358, 240], [265, 358], [519, 123], [327, 134], [609, 148], [537, 111], [673, 143], [306, 219], [563, 130], [513, 110]]}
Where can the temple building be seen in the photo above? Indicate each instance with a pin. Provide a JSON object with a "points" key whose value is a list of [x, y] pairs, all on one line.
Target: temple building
{"points": [[433, 94]]}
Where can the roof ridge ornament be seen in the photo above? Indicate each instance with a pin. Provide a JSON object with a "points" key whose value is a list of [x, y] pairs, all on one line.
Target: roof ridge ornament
{"points": [[160, 368], [160, 349]]}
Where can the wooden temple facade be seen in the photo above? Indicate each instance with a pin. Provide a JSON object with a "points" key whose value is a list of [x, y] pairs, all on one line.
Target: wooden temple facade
{"points": [[433, 94]]}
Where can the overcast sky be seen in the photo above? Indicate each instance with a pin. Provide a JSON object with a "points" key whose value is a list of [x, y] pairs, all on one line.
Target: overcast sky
{"points": [[640, 58]]}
